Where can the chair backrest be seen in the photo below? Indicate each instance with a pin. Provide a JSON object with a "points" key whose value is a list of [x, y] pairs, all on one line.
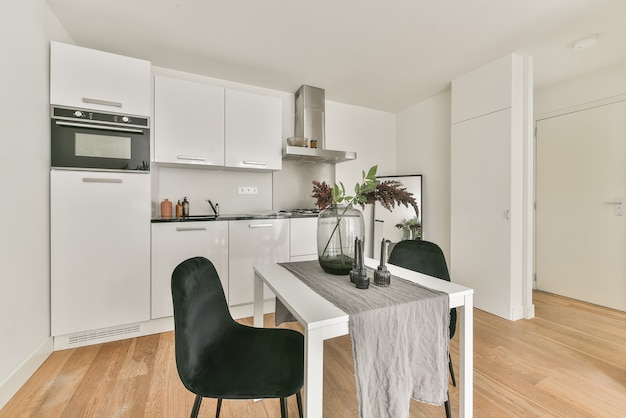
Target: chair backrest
{"points": [[201, 316], [424, 257], [421, 256]]}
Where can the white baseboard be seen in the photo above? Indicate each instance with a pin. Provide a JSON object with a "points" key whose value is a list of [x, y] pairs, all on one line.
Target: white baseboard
{"points": [[245, 311], [517, 312], [154, 326], [10, 385], [529, 311], [105, 335]]}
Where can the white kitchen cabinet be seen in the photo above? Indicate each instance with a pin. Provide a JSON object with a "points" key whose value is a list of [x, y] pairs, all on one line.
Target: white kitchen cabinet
{"points": [[87, 78], [175, 242], [250, 242], [188, 122], [100, 250], [302, 239], [253, 131]]}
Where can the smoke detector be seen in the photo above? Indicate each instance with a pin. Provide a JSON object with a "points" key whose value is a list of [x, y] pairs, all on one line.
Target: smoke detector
{"points": [[584, 43]]}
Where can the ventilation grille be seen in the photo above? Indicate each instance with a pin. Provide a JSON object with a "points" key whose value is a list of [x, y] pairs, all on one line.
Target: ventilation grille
{"points": [[102, 333]]}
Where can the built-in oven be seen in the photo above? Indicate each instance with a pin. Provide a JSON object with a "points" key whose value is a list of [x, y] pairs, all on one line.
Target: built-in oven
{"points": [[85, 139]]}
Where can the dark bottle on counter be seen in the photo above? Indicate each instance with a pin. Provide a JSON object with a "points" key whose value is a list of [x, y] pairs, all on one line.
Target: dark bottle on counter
{"points": [[185, 207], [179, 209]]}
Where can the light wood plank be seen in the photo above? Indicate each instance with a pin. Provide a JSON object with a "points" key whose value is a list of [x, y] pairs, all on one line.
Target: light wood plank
{"points": [[568, 361]]}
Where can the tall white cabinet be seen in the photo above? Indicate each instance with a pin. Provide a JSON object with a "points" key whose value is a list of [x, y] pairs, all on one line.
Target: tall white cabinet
{"points": [[100, 250], [491, 190]]}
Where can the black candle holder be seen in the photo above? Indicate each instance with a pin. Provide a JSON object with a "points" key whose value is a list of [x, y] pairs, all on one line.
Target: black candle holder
{"points": [[362, 282], [358, 274], [382, 276], [354, 273]]}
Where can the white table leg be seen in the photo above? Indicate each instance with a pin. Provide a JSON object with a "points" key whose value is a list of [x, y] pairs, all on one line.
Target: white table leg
{"points": [[258, 301], [466, 340], [313, 373]]}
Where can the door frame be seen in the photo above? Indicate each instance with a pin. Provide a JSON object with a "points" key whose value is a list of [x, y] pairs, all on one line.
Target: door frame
{"points": [[548, 115]]}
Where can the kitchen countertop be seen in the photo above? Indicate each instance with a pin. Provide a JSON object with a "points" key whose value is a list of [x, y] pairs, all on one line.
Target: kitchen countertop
{"points": [[235, 217]]}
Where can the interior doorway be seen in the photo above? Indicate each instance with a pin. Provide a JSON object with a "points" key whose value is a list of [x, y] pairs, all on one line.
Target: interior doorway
{"points": [[580, 222]]}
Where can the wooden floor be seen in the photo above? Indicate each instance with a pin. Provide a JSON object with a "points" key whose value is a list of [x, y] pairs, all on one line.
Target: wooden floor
{"points": [[570, 361]]}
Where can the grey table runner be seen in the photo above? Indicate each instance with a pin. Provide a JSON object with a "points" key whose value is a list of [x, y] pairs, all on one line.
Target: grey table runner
{"points": [[400, 338]]}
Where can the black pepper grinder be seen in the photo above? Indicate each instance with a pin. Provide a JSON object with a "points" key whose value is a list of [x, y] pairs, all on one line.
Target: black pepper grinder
{"points": [[361, 280], [382, 276]]}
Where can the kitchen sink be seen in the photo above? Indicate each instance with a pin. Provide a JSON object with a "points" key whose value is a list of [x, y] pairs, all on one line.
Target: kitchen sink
{"points": [[199, 217]]}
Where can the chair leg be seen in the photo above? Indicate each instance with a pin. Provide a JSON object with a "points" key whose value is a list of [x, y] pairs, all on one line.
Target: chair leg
{"points": [[219, 408], [299, 400], [451, 370], [196, 406], [448, 412], [283, 408]]}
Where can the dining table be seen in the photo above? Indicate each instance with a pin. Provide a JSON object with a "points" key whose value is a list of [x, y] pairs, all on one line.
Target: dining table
{"points": [[322, 320]]}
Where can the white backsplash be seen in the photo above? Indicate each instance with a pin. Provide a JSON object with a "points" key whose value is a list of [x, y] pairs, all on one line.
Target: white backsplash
{"points": [[221, 186], [293, 184], [286, 189]]}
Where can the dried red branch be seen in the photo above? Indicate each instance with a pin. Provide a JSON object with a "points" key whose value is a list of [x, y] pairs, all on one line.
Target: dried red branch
{"points": [[388, 193], [322, 192]]}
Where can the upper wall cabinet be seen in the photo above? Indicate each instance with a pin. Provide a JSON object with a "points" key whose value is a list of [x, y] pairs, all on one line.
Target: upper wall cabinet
{"points": [[253, 131], [484, 90], [86, 78], [188, 122]]}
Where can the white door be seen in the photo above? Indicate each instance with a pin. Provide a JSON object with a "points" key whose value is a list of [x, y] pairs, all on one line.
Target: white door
{"points": [[581, 159], [480, 244]]}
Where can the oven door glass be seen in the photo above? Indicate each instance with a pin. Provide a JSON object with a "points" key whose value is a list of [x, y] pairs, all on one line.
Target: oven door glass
{"points": [[76, 145]]}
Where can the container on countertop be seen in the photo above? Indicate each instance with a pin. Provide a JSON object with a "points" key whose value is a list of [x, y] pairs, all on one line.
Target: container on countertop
{"points": [[179, 209], [166, 209], [185, 207]]}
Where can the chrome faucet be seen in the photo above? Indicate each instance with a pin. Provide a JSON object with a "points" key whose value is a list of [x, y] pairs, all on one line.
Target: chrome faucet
{"points": [[215, 208]]}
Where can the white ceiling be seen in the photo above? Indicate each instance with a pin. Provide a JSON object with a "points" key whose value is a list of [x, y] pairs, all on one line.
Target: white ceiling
{"points": [[381, 54]]}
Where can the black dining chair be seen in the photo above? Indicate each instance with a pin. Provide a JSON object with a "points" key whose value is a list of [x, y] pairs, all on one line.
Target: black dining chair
{"points": [[217, 357], [426, 257]]}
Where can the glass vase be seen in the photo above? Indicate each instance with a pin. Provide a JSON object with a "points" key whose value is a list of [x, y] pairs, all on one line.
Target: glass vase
{"points": [[337, 228]]}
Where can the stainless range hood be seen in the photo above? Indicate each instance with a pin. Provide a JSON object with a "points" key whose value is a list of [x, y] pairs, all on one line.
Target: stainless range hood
{"points": [[310, 123]]}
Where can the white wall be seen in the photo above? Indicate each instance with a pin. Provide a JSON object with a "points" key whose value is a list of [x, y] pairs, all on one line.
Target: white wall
{"points": [[423, 147], [26, 27], [293, 184], [372, 135], [599, 85]]}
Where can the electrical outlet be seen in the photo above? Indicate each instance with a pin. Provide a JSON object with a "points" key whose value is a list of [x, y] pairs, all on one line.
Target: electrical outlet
{"points": [[247, 190]]}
